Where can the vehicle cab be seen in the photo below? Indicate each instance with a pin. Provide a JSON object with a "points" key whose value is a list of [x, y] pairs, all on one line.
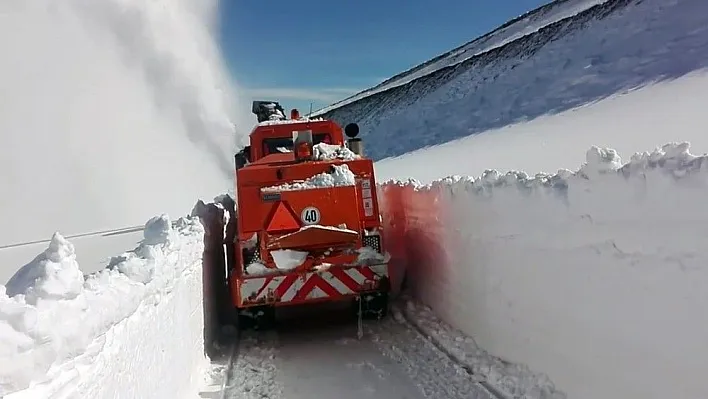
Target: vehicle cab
{"points": [[274, 138]]}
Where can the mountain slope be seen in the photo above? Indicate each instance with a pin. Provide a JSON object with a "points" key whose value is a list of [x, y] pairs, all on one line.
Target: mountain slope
{"points": [[609, 48], [513, 29]]}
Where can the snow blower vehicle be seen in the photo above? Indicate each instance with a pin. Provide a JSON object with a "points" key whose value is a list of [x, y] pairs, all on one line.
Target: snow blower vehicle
{"points": [[304, 226]]}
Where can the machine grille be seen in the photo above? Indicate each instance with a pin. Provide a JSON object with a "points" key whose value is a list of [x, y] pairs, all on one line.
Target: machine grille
{"points": [[373, 242]]}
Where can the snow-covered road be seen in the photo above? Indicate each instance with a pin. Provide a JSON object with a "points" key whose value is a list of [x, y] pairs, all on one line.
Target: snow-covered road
{"points": [[323, 357]]}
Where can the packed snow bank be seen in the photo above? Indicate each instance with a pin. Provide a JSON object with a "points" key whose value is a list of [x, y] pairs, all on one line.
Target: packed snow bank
{"points": [[638, 119], [595, 278], [119, 331]]}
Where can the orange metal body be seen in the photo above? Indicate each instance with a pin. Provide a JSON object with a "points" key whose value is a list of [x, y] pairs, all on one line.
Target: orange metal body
{"points": [[272, 219]]}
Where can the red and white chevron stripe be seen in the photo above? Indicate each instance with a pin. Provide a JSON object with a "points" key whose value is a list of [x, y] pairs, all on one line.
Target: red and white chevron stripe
{"points": [[297, 288]]}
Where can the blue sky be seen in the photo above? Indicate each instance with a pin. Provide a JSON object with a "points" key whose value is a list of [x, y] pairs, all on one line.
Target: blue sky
{"points": [[323, 51]]}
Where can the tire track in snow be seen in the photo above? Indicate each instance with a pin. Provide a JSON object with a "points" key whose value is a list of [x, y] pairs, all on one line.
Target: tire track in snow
{"points": [[322, 357], [232, 355], [251, 372], [436, 373], [486, 390]]}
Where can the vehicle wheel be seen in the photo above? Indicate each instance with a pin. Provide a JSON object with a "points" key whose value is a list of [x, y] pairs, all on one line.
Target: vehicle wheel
{"points": [[374, 306], [264, 318]]}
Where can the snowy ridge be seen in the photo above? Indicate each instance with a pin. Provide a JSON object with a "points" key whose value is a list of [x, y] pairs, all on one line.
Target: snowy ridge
{"points": [[63, 333], [516, 28], [607, 49], [672, 159], [574, 274]]}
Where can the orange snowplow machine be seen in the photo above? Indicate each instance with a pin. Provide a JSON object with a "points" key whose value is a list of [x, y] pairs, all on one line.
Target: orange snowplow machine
{"points": [[305, 226]]}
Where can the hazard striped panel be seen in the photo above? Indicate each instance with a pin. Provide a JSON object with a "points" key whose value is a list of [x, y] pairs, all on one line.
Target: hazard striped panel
{"points": [[299, 288]]}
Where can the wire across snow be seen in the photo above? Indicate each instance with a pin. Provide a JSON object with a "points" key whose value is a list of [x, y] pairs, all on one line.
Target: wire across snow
{"points": [[50, 312], [338, 177]]}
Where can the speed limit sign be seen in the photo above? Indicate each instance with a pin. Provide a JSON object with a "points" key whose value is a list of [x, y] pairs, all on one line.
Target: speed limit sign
{"points": [[310, 215]]}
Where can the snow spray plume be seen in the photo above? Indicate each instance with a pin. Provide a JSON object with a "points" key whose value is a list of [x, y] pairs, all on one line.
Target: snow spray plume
{"points": [[111, 112]]}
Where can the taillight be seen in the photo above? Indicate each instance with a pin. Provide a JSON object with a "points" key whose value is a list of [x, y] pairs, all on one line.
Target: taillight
{"points": [[303, 151], [302, 145]]}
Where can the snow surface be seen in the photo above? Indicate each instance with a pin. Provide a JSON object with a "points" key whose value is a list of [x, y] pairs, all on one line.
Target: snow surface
{"points": [[322, 358], [106, 137], [338, 177], [511, 380], [328, 152], [288, 121], [63, 333], [288, 259], [592, 277], [584, 283], [524, 25], [612, 48], [259, 269], [629, 122]]}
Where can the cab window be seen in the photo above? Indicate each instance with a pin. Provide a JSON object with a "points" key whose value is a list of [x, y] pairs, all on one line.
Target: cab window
{"points": [[271, 146]]}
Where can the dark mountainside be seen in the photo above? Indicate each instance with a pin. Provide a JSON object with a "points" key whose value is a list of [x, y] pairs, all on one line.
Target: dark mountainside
{"points": [[529, 17], [609, 48]]}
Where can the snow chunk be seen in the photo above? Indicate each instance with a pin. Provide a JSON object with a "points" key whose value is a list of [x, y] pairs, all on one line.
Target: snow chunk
{"points": [[157, 229], [369, 256], [288, 259], [288, 121], [601, 161], [340, 176], [54, 274], [259, 269], [323, 267], [139, 265], [327, 152]]}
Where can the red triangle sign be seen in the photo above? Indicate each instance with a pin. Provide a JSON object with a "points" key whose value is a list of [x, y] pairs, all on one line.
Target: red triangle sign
{"points": [[282, 219]]}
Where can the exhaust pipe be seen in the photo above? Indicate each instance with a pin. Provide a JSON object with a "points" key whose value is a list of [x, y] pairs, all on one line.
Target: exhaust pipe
{"points": [[355, 144]]}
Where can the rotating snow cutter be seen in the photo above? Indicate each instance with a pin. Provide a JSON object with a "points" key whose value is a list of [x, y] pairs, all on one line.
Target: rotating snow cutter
{"points": [[304, 227]]}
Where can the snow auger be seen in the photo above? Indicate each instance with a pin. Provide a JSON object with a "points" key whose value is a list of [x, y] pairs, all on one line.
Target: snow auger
{"points": [[304, 227]]}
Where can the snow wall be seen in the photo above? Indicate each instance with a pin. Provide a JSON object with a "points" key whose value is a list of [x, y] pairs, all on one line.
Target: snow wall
{"points": [[596, 278], [133, 330]]}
